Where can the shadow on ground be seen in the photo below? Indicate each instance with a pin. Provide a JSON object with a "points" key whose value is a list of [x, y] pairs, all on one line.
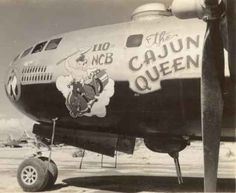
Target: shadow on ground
{"points": [[146, 183]]}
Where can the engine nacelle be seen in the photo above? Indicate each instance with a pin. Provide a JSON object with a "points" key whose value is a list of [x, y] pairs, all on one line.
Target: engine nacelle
{"points": [[166, 144]]}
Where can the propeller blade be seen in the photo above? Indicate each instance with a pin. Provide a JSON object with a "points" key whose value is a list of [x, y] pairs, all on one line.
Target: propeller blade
{"points": [[231, 17], [211, 98]]}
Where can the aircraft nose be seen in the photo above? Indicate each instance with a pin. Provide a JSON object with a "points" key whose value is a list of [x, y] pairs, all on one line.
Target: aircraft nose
{"points": [[12, 85]]}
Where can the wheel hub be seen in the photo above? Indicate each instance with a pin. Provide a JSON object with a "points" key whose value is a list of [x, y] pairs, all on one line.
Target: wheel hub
{"points": [[29, 175]]}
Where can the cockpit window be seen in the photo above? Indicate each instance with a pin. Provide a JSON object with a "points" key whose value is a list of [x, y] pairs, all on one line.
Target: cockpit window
{"points": [[26, 52], [134, 40], [39, 47], [53, 44]]}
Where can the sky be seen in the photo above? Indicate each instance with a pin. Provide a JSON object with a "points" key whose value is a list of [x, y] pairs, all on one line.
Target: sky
{"points": [[25, 22]]}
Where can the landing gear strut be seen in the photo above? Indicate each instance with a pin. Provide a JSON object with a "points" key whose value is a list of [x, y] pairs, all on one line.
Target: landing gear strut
{"points": [[38, 173], [175, 156]]}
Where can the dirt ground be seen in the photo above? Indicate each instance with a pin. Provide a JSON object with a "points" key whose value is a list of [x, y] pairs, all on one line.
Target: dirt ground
{"points": [[145, 171]]}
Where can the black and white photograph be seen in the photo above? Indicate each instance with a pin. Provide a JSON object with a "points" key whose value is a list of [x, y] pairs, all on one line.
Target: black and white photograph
{"points": [[116, 96]]}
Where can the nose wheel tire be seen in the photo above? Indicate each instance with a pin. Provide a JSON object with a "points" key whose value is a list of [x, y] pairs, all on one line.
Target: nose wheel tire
{"points": [[52, 172], [32, 175]]}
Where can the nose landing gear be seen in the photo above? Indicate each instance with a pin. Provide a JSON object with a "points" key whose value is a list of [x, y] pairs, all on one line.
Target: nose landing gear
{"points": [[32, 175], [52, 172], [38, 173]]}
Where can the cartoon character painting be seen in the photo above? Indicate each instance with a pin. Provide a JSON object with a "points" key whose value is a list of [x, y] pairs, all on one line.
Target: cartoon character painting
{"points": [[87, 90]]}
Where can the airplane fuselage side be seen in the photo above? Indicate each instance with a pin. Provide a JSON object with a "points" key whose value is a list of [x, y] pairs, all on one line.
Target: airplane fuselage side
{"points": [[135, 78]]}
